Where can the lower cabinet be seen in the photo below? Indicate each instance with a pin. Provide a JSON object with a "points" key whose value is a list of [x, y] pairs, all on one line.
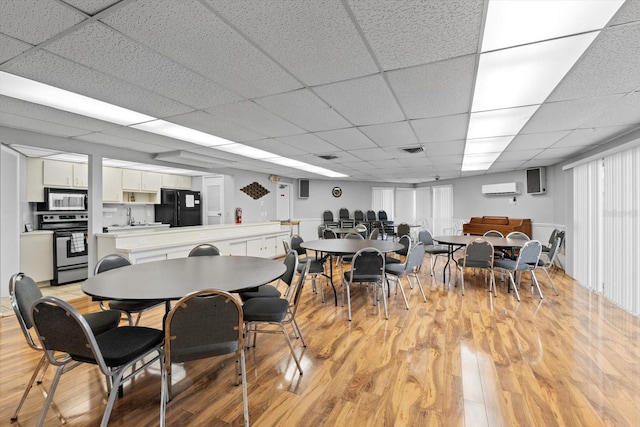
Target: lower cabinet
{"points": [[36, 255]]}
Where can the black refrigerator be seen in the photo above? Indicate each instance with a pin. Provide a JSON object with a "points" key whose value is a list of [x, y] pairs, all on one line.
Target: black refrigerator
{"points": [[179, 208]]}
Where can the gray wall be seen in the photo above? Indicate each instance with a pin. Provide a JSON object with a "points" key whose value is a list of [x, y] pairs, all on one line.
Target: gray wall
{"points": [[355, 195]]}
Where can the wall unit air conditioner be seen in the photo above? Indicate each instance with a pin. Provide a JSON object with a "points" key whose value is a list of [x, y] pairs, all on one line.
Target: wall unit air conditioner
{"points": [[504, 189]]}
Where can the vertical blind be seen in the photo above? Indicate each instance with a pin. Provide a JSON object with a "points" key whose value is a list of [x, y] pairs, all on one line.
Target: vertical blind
{"points": [[442, 208], [423, 207], [606, 236], [382, 200], [405, 206]]}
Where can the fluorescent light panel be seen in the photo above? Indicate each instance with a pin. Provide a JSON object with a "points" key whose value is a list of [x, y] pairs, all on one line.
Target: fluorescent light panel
{"points": [[513, 82], [50, 96]]}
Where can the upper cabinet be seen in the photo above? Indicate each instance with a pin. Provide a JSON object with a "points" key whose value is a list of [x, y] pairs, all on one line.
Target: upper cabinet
{"points": [[80, 175], [111, 185], [57, 174], [181, 182], [151, 181], [140, 181]]}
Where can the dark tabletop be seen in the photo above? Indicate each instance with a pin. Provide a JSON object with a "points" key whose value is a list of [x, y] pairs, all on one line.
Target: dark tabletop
{"points": [[350, 246], [175, 278], [497, 242]]}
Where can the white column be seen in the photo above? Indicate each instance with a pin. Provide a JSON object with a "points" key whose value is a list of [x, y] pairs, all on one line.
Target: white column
{"points": [[95, 207]]}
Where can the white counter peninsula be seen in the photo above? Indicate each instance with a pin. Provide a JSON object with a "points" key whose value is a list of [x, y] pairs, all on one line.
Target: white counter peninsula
{"points": [[260, 239]]}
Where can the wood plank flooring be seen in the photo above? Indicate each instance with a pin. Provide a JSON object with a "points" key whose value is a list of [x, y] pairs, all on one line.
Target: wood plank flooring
{"points": [[455, 360]]}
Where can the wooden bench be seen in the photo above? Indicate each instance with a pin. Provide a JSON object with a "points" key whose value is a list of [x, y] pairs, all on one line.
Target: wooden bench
{"points": [[505, 225]]}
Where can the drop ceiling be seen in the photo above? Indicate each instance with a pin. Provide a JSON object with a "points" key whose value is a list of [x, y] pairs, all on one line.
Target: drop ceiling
{"points": [[355, 79]]}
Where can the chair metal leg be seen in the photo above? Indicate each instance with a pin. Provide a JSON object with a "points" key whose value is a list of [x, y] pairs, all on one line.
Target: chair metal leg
{"points": [[42, 365], [398, 281], [245, 398], [293, 353], [534, 280], [550, 281], [424, 297], [52, 390], [297, 331], [513, 283]]}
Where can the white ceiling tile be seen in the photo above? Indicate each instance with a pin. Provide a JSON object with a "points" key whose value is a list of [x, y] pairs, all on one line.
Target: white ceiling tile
{"points": [[505, 166], [416, 162], [305, 109], [435, 90], [439, 149], [47, 68], [97, 46], [347, 139], [190, 33], [386, 164], [34, 21], [309, 143], [536, 163], [558, 153], [316, 41], [363, 101], [520, 155], [624, 112], [628, 12], [536, 140], [343, 157], [589, 137], [10, 47], [609, 66], [150, 138], [274, 146], [91, 7], [205, 122], [37, 125], [252, 116], [441, 128], [47, 114], [567, 115], [397, 134], [403, 34], [369, 154]]}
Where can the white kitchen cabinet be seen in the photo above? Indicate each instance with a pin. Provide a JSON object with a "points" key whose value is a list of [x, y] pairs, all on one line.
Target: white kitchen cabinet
{"points": [[169, 180], [36, 255], [57, 174], [184, 182], [150, 181], [35, 186], [255, 247], [270, 247], [80, 175], [131, 180], [111, 185]]}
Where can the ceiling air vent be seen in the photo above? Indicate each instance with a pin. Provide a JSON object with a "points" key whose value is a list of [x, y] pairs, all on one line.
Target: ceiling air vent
{"points": [[328, 157], [413, 150]]}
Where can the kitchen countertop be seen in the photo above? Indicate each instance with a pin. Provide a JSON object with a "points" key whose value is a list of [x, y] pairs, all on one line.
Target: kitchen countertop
{"points": [[137, 227]]}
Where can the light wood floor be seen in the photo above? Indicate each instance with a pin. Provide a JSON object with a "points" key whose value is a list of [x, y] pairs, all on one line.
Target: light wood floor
{"points": [[473, 360]]}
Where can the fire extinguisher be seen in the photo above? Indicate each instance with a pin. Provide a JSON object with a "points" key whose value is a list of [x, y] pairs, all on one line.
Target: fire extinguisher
{"points": [[238, 215]]}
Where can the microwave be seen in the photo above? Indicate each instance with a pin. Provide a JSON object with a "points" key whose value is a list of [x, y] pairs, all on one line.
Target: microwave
{"points": [[59, 199]]}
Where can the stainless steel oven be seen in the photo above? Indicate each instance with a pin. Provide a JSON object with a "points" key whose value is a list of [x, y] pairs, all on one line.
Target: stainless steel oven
{"points": [[59, 199], [70, 249]]}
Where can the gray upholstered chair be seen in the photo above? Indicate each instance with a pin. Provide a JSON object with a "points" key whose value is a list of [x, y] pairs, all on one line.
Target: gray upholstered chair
{"points": [[405, 241], [328, 233], [431, 248], [408, 269], [367, 267], [527, 260], [201, 325], [477, 254], [403, 229], [375, 233], [547, 260], [205, 249], [128, 307], [67, 339], [278, 312], [23, 292], [269, 291]]}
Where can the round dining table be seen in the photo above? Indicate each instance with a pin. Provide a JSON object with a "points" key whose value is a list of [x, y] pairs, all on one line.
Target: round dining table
{"points": [[172, 279], [346, 247], [456, 242]]}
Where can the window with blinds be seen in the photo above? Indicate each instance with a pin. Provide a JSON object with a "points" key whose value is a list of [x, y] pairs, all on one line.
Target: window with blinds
{"points": [[382, 199], [606, 234], [443, 210]]}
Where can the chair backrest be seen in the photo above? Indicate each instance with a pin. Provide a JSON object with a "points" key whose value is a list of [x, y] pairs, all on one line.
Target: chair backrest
{"points": [[529, 255], [415, 257], [297, 290], [343, 213], [358, 215], [518, 235], [375, 233], [23, 292], [362, 229], [371, 215], [62, 329], [328, 233], [296, 241], [291, 264], [493, 233], [561, 235], [353, 235], [425, 237], [111, 261], [406, 242], [382, 216], [552, 237], [327, 216], [321, 228], [403, 228], [367, 266], [203, 324], [204, 249], [478, 253], [554, 249], [285, 245]]}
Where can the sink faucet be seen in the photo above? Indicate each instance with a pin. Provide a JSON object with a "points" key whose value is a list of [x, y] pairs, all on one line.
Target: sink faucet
{"points": [[130, 219]]}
